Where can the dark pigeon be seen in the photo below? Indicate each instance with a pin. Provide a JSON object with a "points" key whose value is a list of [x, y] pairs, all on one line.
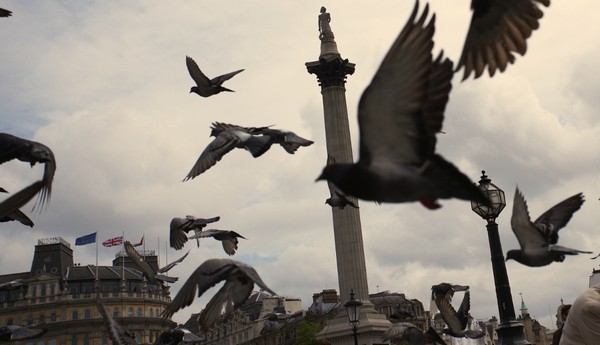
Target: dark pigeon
{"points": [[498, 28], [5, 13], [179, 228], [178, 336], [239, 282], [150, 273], [337, 198], [17, 215], [408, 333], [457, 321], [207, 87], [13, 203], [224, 142], [228, 238], [399, 114], [12, 147], [538, 239]]}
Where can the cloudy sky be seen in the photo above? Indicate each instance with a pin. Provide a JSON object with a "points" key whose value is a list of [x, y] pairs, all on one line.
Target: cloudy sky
{"points": [[104, 84]]}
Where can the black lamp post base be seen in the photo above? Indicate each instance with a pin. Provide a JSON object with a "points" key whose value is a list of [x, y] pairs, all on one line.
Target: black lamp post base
{"points": [[511, 333]]}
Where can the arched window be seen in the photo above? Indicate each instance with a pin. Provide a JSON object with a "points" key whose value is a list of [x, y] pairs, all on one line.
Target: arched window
{"points": [[42, 318], [86, 340], [74, 340], [140, 312], [130, 312], [115, 312], [53, 317], [75, 315], [33, 291], [151, 312], [87, 314]]}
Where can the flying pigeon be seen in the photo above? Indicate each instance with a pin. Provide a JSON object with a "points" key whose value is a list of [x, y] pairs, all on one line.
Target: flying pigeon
{"points": [[12, 147], [206, 87], [289, 140], [13, 203], [411, 334], [15, 332], [148, 271], [178, 336], [239, 282], [116, 333], [17, 215], [337, 198], [228, 238], [538, 239], [224, 142], [456, 321], [5, 13], [498, 28], [399, 114], [181, 226]]}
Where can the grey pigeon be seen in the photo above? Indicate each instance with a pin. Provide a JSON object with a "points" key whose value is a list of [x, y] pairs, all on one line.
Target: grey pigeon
{"points": [[239, 282], [224, 142], [13, 203], [5, 13], [498, 28], [289, 140], [538, 239], [149, 272], [178, 336], [17, 215], [15, 332], [179, 228], [399, 114], [411, 334], [457, 321], [228, 238], [207, 87], [116, 333], [12, 147]]}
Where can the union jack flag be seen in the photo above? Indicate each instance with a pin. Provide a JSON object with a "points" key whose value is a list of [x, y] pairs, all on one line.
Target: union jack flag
{"points": [[113, 242]]}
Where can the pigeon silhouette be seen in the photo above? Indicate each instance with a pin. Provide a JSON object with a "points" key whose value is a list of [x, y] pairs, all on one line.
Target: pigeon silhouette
{"points": [[337, 198], [15, 332], [13, 203], [408, 333], [179, 228], [207, 87], [178, 336], [116, 333], [12, 147], [228, 238], [239, 282], [498, 28], [17, 215], [226, 141], [457, 321], [538, 239], [399, 114], [5, 13], [150, 273]]}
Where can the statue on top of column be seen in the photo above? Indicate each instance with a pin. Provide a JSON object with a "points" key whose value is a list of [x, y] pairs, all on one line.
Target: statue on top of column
{"points": [[325, 30]]}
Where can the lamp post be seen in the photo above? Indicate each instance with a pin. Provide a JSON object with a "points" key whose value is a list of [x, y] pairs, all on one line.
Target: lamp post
{"points": [[353, 310], [509, 330]]}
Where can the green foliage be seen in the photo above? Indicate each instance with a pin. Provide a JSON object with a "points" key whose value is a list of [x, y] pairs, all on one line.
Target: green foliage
{"points": [[305, 333]]}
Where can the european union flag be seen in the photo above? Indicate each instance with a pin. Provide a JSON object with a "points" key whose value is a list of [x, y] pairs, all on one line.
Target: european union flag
{"points": [[87, 239]]}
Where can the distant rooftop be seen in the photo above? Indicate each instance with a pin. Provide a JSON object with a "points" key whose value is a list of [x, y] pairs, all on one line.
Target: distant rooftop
{"points": [[53, 240]]}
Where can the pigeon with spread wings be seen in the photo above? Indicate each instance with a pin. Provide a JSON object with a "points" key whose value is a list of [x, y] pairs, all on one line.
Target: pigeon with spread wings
{"points": [[228, 238], [179, 228], [151, 273], [538, 239], [498, 28], [239, 282], [337, 198], [457, 321], [207, 87], [399, 114]]}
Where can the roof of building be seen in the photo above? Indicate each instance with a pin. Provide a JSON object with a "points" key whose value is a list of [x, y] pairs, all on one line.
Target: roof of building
{"points": [[88, 272]]}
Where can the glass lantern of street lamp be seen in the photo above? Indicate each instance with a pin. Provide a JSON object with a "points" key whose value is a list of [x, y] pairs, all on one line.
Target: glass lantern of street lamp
{"points": [[353, 309], [494, 194]]}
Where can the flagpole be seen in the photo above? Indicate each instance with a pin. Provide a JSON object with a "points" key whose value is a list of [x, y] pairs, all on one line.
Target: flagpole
{"points": [[158, 256], [123, 254], [97, 278]]}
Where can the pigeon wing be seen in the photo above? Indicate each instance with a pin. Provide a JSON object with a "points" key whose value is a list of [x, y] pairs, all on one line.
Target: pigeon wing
{"points": [[117, 334], [213, 153], [232, 294], [463, 310], [5, 12], [497, 29], [177, 237], [172, 264], [449, 314], [199, 78], [139, 261], [526, 232], [558, 216], [440, 84], [230, 245], [19, 199], [222, 78], [390, 111], [12, 147]]}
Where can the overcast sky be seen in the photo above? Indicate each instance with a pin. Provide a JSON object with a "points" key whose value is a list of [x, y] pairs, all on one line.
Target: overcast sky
{"points": [[104, 85]]}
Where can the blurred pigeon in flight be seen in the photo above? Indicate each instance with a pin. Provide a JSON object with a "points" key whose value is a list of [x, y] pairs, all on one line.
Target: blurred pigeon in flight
{"points": [[207, 87], [399, 114], [179, 228], [13, 203], [498, 28], [17, 215], [15, 332], [228, 238], [224, 142], [457, 321], [12, 147], [178, 336], [148, 271], [408, 333], [239, 282], [337, 198], [538, 239], [5, 13], [116, 333]]}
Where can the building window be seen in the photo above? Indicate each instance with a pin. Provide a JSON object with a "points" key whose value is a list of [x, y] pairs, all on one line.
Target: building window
{"points": [[75, 315], [151, 312], [52, 287], [30, 320], [104, 339], [9, 322], [86, 340], [139, 312], [116, 312], [74, 340], [43, 290], [87, 314], [130, 312], [33, 291], [52, 341], [53, 317], [42, 318], [41, 342]]}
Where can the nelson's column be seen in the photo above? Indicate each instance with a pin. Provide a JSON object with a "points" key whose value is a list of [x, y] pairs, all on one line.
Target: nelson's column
{"points": [[331, 71]]}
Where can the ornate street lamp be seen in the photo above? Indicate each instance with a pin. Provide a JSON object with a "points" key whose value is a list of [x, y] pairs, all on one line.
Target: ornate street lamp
{"points": [[353, 310], [509, 330]]}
